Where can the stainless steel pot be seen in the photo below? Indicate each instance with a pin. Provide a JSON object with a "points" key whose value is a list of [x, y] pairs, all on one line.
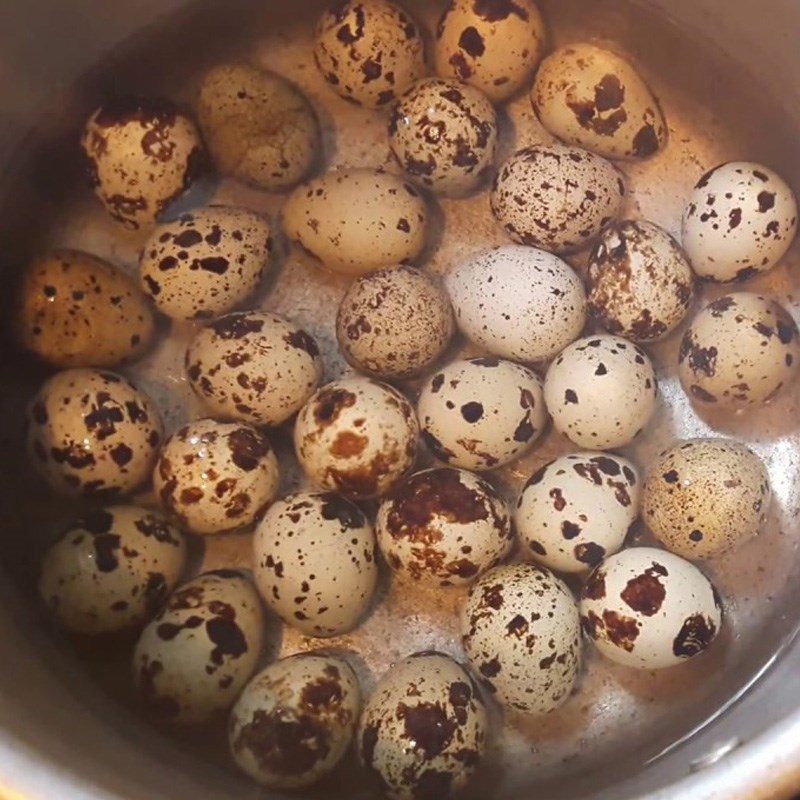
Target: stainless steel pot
{"points": [[60, 736]]}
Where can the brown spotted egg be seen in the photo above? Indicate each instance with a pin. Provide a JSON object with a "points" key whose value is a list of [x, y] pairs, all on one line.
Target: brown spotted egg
{"points": [[492, 46], [356, 436], [704, 497], [205, 262], [142, 155], [295, 720], [394, 323], [216, 477], [740, 220], [640, 283], [601, 392], [111, 570], [253, 366], [444, 135], [314, 555], [192, 661], [649, 609], [423, 732], [576, 510], [590, 97], [369, 51], [77, 310], [444, 527], [557, 198], [522, 636], [481, 414], [741, 349], [518, 302], [93, 433]]}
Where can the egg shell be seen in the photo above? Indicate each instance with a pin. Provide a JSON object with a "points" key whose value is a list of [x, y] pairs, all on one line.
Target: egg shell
{"points": [[369, 52], [141, 155], [576, 510], [315, 562], [92, 432], [740, 220], [111, 570], [593, 98], [77, 310], [601, 392], [522, 636], [492, 46], [394, 323], [481, 414], [206, 262], [258, 126], [423, 732], [741, 349], [557, 198], [518, 302], [295, 720], [196, 656], [253, 366], [649, 609], [359, 220], [704, 497], [444, 527], [356, 436], [640, 284]]}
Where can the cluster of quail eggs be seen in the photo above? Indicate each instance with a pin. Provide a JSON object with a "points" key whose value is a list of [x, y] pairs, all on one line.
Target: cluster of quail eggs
{"points": [[391, 453]]}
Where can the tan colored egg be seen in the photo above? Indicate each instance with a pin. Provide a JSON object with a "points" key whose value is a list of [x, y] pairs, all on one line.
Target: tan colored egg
{"points": [[357, 221], [590, 97], [258, 126], [215, 476], [79, 311], [93, 433], [206, 262], [142, 155], [394, 323]]}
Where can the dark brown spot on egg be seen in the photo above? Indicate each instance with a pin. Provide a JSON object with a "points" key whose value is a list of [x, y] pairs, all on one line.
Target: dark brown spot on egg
{"points": [[645, 593], [248, 447], [695, 635]]}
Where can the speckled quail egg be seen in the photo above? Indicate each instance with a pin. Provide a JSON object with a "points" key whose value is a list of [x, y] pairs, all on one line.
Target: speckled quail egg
{"points": [[216, 476], [492, 46], [196, 656], [111, 569], [358, 220], [314, 555], [703, 497], [77, 310], [522, 636], [258, 126], [592, 98], [253, 366], [206, 262], [142, 155], [356, 436], [370, 51], [576, 510], [91, 432], [649, 609], [740, 220], [423, 732], [444, 527], [557, 198], [394, 323], [640, 283], [741, 349], [444, 134], [295, 720], [601, 392], [518, 302], [481, 414]]}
